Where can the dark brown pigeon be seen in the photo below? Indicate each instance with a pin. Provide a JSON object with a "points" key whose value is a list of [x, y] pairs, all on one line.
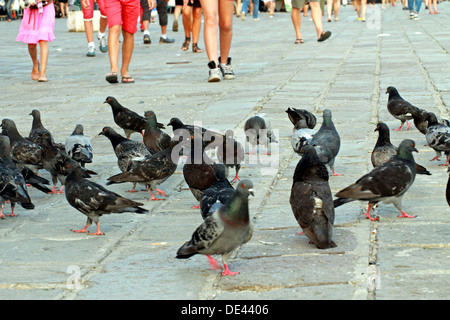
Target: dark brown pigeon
{"points": [[154, 138], [295, 115], [311, 199], [386, 183], [125, 118], [94, 200], [231, 153], [399, 107]]}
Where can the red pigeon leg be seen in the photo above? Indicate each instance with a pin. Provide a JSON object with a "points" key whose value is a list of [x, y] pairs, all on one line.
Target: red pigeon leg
{"points": [[2, 216], [214, 265], [153, 197], [12, 214], [367, 214], [435, 158], [134, 188], [227, 271], [196, 207], [336, 174], [236, 178], [98, 233], [159, 191], [405, 215], [81, 230], [446, 164], [399, 128], [407, 125]]}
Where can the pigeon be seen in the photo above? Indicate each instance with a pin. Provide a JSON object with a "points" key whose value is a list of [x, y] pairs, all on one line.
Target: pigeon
{"points": [[384, 150], [209, 138], [38, 129], [259, 132], [94, 200], [152, 171], [22, 150], [295, 115], [438, 137], [53, 160], [78, 146], [154, 138], [311, 199], [420, 121], [327, 141], [302, 136], [223, 231], [399, 107], [386, 183], [12, 183], [125, 118], [231, 153], [218, 194], [199, 170], [118, 141]]}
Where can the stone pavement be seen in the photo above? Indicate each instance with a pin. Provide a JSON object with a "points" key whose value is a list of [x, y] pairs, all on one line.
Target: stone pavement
{"points": [[389, 259]]}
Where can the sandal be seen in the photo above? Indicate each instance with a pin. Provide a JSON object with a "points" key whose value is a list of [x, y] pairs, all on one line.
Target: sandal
{"points": [[111, 77], [196, 49], [297, 41], [185, 45], [127, 80], [324, 36]]}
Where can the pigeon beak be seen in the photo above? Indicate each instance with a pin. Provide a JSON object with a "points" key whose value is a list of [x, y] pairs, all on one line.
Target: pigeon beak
{"points": [[250, 191], [414, 149]]}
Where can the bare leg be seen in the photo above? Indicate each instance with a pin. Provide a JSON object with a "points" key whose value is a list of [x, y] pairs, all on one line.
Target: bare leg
{"points": [[196, 24], [44, 59], [114, 47], [225, 28], [211, 21], [89, 30], [297, 22], [32, 50], [316, 15], [127, 52], [103, 24]]}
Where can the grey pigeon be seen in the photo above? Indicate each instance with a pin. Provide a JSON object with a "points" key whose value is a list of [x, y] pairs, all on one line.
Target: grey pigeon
{"points": [[231, 153], [125, 118], [94, 200], [438, 137], [78, 146], [386, 183], [154, 138], [12, 183], [327, 141], [128, 152], [301, 136], [311, 199], [384, 150], [23, 150], [420, 120], [259, 132], [223, 231], [38, 129], [295, 115], [152, 171], [399, 107], [218, 194]]}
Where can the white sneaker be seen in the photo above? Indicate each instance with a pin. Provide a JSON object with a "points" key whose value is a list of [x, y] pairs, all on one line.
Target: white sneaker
{"points": [[214, 72], [90, 52], [103, 44]]}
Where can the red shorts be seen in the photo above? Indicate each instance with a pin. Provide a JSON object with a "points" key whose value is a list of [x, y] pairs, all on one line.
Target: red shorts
{"points": [[124, 13], [88, 13]]}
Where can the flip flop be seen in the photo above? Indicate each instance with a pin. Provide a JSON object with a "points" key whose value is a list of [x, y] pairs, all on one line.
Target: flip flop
{"points": [[297, 41], [324, 36], [112, 77], [127, 80]]}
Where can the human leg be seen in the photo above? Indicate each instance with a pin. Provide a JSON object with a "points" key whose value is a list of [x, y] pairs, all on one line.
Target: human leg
{"points": [[32, 50], [336, 6], [255, 9], [296, 22], [196, 27], [316, 15], [225, 28], [245, 5], [43, 46], [211, 21], [127, 52], [114, 47]]}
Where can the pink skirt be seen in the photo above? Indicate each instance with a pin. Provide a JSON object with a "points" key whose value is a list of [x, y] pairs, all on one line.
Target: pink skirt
{"points": [[37, 26]]}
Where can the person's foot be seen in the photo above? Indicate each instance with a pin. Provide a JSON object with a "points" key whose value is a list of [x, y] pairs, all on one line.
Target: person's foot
{"points": [[324, 36], [111, 77], [166, 40], [175, 26], [227, 70], [103, 44], [147, 39], [42, 78], [36, 72], [214, 72], [90, 51]]}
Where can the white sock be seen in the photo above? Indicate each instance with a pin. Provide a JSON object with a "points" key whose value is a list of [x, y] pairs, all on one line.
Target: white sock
{"points": [[146, 32], [164, 36], [91, 44], [100, 35]]}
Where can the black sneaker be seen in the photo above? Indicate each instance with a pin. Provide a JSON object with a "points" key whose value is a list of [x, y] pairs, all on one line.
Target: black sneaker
{"points": [[227, 70], [214, 72], [166, 40], [147, 39]]}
